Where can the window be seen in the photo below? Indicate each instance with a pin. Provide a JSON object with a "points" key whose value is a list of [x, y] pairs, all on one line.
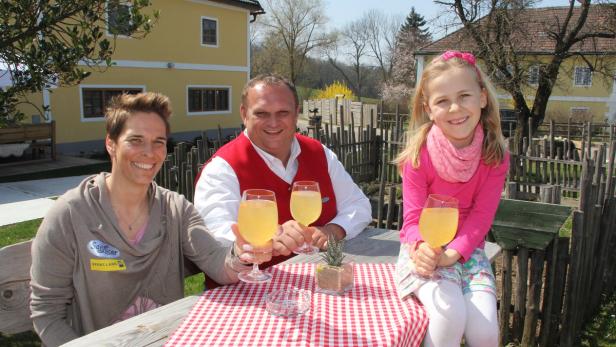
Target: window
{"points": [[209, 31], [580, 114], [500, 76], [118, 18], [95, 100], [208, 99], [533, 75], [583, 77]]}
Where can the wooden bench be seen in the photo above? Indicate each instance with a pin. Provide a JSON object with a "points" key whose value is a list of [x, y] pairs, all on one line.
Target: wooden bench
{"points": [[43, 136], [15, 261]]}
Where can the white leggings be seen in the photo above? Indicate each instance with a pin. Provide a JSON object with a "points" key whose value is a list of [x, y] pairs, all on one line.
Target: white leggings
{"points": [[453, 314]]}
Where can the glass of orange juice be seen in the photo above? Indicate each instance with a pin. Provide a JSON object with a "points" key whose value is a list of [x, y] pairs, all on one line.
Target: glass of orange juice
{"points": [[438, 222], [257, 222], [306, 205]]}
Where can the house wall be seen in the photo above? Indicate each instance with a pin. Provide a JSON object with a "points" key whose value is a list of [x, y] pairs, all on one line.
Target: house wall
{"points": [[597, 98], [168, 60], [176, 36]]}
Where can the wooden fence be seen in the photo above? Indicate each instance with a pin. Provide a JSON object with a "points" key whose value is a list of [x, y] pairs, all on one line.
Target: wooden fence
{"points": [[548, 160]]}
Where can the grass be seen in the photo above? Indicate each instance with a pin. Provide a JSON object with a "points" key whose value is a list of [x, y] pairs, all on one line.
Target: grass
{"points": [[601, 331], [14, 233]]}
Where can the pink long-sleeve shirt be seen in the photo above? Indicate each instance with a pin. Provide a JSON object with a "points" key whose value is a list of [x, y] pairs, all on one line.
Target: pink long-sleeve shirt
{"points": [[478, 200]]}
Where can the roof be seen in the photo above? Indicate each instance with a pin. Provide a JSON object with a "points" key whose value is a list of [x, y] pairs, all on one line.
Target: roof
{"points": [[252, 5], [535, 40]]}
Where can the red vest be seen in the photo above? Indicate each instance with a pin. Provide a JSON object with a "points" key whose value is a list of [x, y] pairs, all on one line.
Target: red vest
{"points": [[253, 173]]}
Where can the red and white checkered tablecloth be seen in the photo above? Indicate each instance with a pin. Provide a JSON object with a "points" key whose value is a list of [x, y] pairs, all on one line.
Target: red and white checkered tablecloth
{"points": [[370, 315]]}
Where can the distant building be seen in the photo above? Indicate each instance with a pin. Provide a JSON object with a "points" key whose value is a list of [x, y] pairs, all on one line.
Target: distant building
{"points": [[579, 92], [198, 54]]}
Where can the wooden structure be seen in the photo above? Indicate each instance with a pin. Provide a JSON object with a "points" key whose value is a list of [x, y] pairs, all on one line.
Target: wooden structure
{"points": [[15, 261], [550, 161], [42, 136], [526, 229]]}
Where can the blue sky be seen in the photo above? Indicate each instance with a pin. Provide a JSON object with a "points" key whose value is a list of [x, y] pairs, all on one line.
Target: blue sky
{"points": [[341, 12]]}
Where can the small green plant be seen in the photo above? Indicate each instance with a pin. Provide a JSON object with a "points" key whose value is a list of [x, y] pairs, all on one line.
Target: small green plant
{"points": [[333, 256]]}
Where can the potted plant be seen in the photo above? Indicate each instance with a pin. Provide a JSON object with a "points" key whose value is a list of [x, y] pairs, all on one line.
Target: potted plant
{"points": [[335, 277]]}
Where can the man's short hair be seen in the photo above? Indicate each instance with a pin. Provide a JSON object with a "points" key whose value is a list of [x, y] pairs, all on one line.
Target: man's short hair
{"points": [[124, 106], [269, 80]]}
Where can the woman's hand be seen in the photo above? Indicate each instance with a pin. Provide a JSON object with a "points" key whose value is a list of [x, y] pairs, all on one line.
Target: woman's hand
{"points": [[426, 258], [246, 252]]}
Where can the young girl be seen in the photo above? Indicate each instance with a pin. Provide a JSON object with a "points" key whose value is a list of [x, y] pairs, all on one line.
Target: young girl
{"points": [[455, 147]]}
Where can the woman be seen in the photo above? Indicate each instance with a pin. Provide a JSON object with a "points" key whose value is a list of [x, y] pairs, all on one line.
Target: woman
{"points": [[114, 246]]}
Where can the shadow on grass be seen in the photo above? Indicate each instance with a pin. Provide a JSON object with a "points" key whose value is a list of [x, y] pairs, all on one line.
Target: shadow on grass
{"points": [[25, 339], [601, 331]]}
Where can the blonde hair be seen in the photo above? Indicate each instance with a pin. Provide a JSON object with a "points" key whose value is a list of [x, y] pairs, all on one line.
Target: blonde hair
{"points": [[493, 148]]}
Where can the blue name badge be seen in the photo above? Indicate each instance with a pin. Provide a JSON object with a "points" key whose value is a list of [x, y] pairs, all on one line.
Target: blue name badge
{"points": [[101, 249]]}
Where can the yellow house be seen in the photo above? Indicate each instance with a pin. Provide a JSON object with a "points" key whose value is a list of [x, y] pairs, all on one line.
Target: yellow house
{"points": [[579, 92], [198, 54]]}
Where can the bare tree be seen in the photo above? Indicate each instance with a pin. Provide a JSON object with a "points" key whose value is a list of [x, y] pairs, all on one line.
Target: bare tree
{"points": [[505, 34], [352, 46], [382, 31], [298, 26]]}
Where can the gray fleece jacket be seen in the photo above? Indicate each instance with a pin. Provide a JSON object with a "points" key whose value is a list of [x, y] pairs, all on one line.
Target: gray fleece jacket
{"points": [[85, 273]]}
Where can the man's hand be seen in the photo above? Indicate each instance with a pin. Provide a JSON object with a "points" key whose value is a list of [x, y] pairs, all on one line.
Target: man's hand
{"points": [[248, 253], [321, 234], [426, 258], [292, 235]]}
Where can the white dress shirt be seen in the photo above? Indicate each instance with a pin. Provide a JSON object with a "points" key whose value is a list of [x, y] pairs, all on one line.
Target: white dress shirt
{"points": [[217, 195]]}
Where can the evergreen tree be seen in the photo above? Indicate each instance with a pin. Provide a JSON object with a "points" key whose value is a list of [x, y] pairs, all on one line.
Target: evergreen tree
{"points": [[415, 25]]}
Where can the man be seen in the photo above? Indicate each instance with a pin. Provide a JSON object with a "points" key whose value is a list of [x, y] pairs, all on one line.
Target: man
{"points": [[270, 155]]}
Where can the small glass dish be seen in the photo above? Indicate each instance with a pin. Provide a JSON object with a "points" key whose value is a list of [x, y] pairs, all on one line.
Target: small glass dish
{"points": [[288, 302]]}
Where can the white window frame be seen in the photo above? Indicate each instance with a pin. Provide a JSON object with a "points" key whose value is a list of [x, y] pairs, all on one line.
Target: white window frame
{"points": [[102, 86], [217, 32], [533, 74], [209, 86], [109, 33], [575, 73]]}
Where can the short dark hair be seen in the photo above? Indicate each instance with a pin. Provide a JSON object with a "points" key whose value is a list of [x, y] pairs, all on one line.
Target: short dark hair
{"points": [[270, 79], [124, 106]]}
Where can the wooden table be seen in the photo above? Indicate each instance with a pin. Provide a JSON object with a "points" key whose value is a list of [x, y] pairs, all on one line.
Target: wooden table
{"points": [[153, 328]]}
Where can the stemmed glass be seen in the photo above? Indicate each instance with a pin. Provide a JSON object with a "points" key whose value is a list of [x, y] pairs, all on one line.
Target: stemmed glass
{"points": [[257, 222], [438, 222], [306, 205]]}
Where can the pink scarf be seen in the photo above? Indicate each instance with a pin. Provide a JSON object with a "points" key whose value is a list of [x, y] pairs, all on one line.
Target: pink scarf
{"points": [[452, 164]]}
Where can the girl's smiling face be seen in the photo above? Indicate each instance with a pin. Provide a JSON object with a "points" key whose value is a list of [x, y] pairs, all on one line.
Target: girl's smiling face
{"points": [[454, 103]]}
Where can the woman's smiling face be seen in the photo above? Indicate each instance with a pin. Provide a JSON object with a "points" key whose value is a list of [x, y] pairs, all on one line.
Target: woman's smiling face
{"points": [[454, 103], [141, 148]]}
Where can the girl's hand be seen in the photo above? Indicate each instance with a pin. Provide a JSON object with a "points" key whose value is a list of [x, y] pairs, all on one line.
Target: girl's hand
{"points": [[426, 258], [449, 257]]}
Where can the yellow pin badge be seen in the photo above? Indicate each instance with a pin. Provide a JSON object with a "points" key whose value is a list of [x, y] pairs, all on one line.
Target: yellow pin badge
{"points": [[107, 265]]}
